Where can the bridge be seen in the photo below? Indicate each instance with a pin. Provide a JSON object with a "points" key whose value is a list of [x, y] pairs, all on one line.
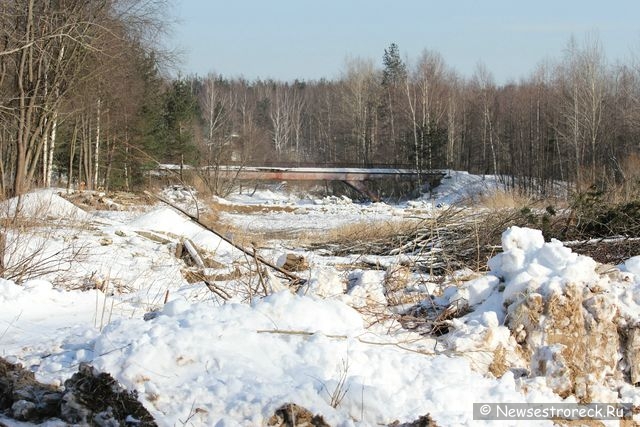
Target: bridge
{"points": [[355, 177]]}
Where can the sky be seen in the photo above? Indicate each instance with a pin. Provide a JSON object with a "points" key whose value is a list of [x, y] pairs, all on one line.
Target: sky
{"points": [[309, 40]]}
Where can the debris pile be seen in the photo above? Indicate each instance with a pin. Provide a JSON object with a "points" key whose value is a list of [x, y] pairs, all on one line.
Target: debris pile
{"points": [[88, 398]]}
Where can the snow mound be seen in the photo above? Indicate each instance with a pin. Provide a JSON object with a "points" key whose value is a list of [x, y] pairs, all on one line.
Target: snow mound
{"points": [[42, 204], [459, 186], [333, 200], [274, 195], [528, 264], [324, 282], [241, 362], [562, 319], [366, 288], [168, 221]]}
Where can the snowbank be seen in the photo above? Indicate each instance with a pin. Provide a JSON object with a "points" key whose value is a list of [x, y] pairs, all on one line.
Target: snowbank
{"points": [[528, 264], [460, 186], [238, 363], [42, 204], [167, 220]]}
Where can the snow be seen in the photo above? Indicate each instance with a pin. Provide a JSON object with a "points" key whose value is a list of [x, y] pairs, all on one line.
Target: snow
{"points": [[233, 363], [167, 220], [239, 362], [42, 204], [528, 264], [632, 265], [476, 291], [460, 186]]}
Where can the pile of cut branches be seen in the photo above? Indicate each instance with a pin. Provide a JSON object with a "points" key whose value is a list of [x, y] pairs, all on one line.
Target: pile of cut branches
{"points": [[457, 237], [452, 239]]}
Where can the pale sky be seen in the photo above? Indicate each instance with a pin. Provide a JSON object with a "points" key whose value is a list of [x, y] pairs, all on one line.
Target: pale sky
{"points": [[308, 40]]}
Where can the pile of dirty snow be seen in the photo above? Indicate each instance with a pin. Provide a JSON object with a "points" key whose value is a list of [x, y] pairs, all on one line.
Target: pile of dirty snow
{"points": [[552, 315]]}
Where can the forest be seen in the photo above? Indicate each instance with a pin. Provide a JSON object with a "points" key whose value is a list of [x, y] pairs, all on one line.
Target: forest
{"points": [[87, 100]]}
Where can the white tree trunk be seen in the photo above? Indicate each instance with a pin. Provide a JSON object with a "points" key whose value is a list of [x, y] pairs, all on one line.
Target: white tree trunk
{"points": [[45, 160], [52, 147], [96, 156]]}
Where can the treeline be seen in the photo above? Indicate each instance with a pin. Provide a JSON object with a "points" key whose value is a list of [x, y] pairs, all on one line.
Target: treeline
{"points": [[576, 120], [83, 103]]}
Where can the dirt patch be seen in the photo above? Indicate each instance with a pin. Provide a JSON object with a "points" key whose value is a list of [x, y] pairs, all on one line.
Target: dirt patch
{"points": [[292, 415], [23, 398], [114, 201], [88, 398], [422, 421]]}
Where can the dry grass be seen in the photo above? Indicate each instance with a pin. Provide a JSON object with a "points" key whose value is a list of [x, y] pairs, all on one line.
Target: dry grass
{"points": [[500, 199], [242, 236], [512, 199], [363, 232], [627, 188]]}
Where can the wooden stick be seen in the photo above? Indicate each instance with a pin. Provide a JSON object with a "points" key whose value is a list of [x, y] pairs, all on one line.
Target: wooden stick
{"points": [[288, 275]]}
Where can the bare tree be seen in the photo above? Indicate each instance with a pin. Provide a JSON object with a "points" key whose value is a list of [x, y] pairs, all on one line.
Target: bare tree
{"points": [[582, 89], [49, 49], [485, 86], [428, 106], [359, 98]]}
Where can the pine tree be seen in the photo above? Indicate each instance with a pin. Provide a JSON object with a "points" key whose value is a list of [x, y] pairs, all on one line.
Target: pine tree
{"points": [[395, 70], [180, 113], [394, 75]]}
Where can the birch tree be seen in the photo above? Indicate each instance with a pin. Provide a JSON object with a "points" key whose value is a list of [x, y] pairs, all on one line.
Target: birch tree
{"points": [[360, 82], [582, 89]]}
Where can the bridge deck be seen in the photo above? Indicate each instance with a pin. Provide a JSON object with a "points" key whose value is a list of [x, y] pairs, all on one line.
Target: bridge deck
{"points": [[321, 173], [355, 177]]}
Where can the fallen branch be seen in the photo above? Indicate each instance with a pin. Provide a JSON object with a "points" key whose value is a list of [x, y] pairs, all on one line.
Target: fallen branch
{"points": [[292, 277], [303, 333], [344, 337], [217, 290]]}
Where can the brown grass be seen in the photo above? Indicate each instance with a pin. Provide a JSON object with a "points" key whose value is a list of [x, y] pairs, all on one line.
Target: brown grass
{"points": [[242, 236], [500, 199], [629, 188], [364, 231]]}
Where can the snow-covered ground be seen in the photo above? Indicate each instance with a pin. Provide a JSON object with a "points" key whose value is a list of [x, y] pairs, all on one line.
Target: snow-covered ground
{"points": [[199, 360]]}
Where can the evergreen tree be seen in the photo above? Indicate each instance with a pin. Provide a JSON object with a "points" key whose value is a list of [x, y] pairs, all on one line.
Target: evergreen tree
{"points": [[395, 70], [179, 119], [394, 75]]}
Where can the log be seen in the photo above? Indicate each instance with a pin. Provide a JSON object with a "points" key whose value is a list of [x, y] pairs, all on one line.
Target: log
{"points": [[193, 253]]}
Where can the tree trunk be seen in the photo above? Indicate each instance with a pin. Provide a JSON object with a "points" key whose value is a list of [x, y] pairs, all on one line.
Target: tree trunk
{"points": [[72, 151], [96, 154], [52, 147]]}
